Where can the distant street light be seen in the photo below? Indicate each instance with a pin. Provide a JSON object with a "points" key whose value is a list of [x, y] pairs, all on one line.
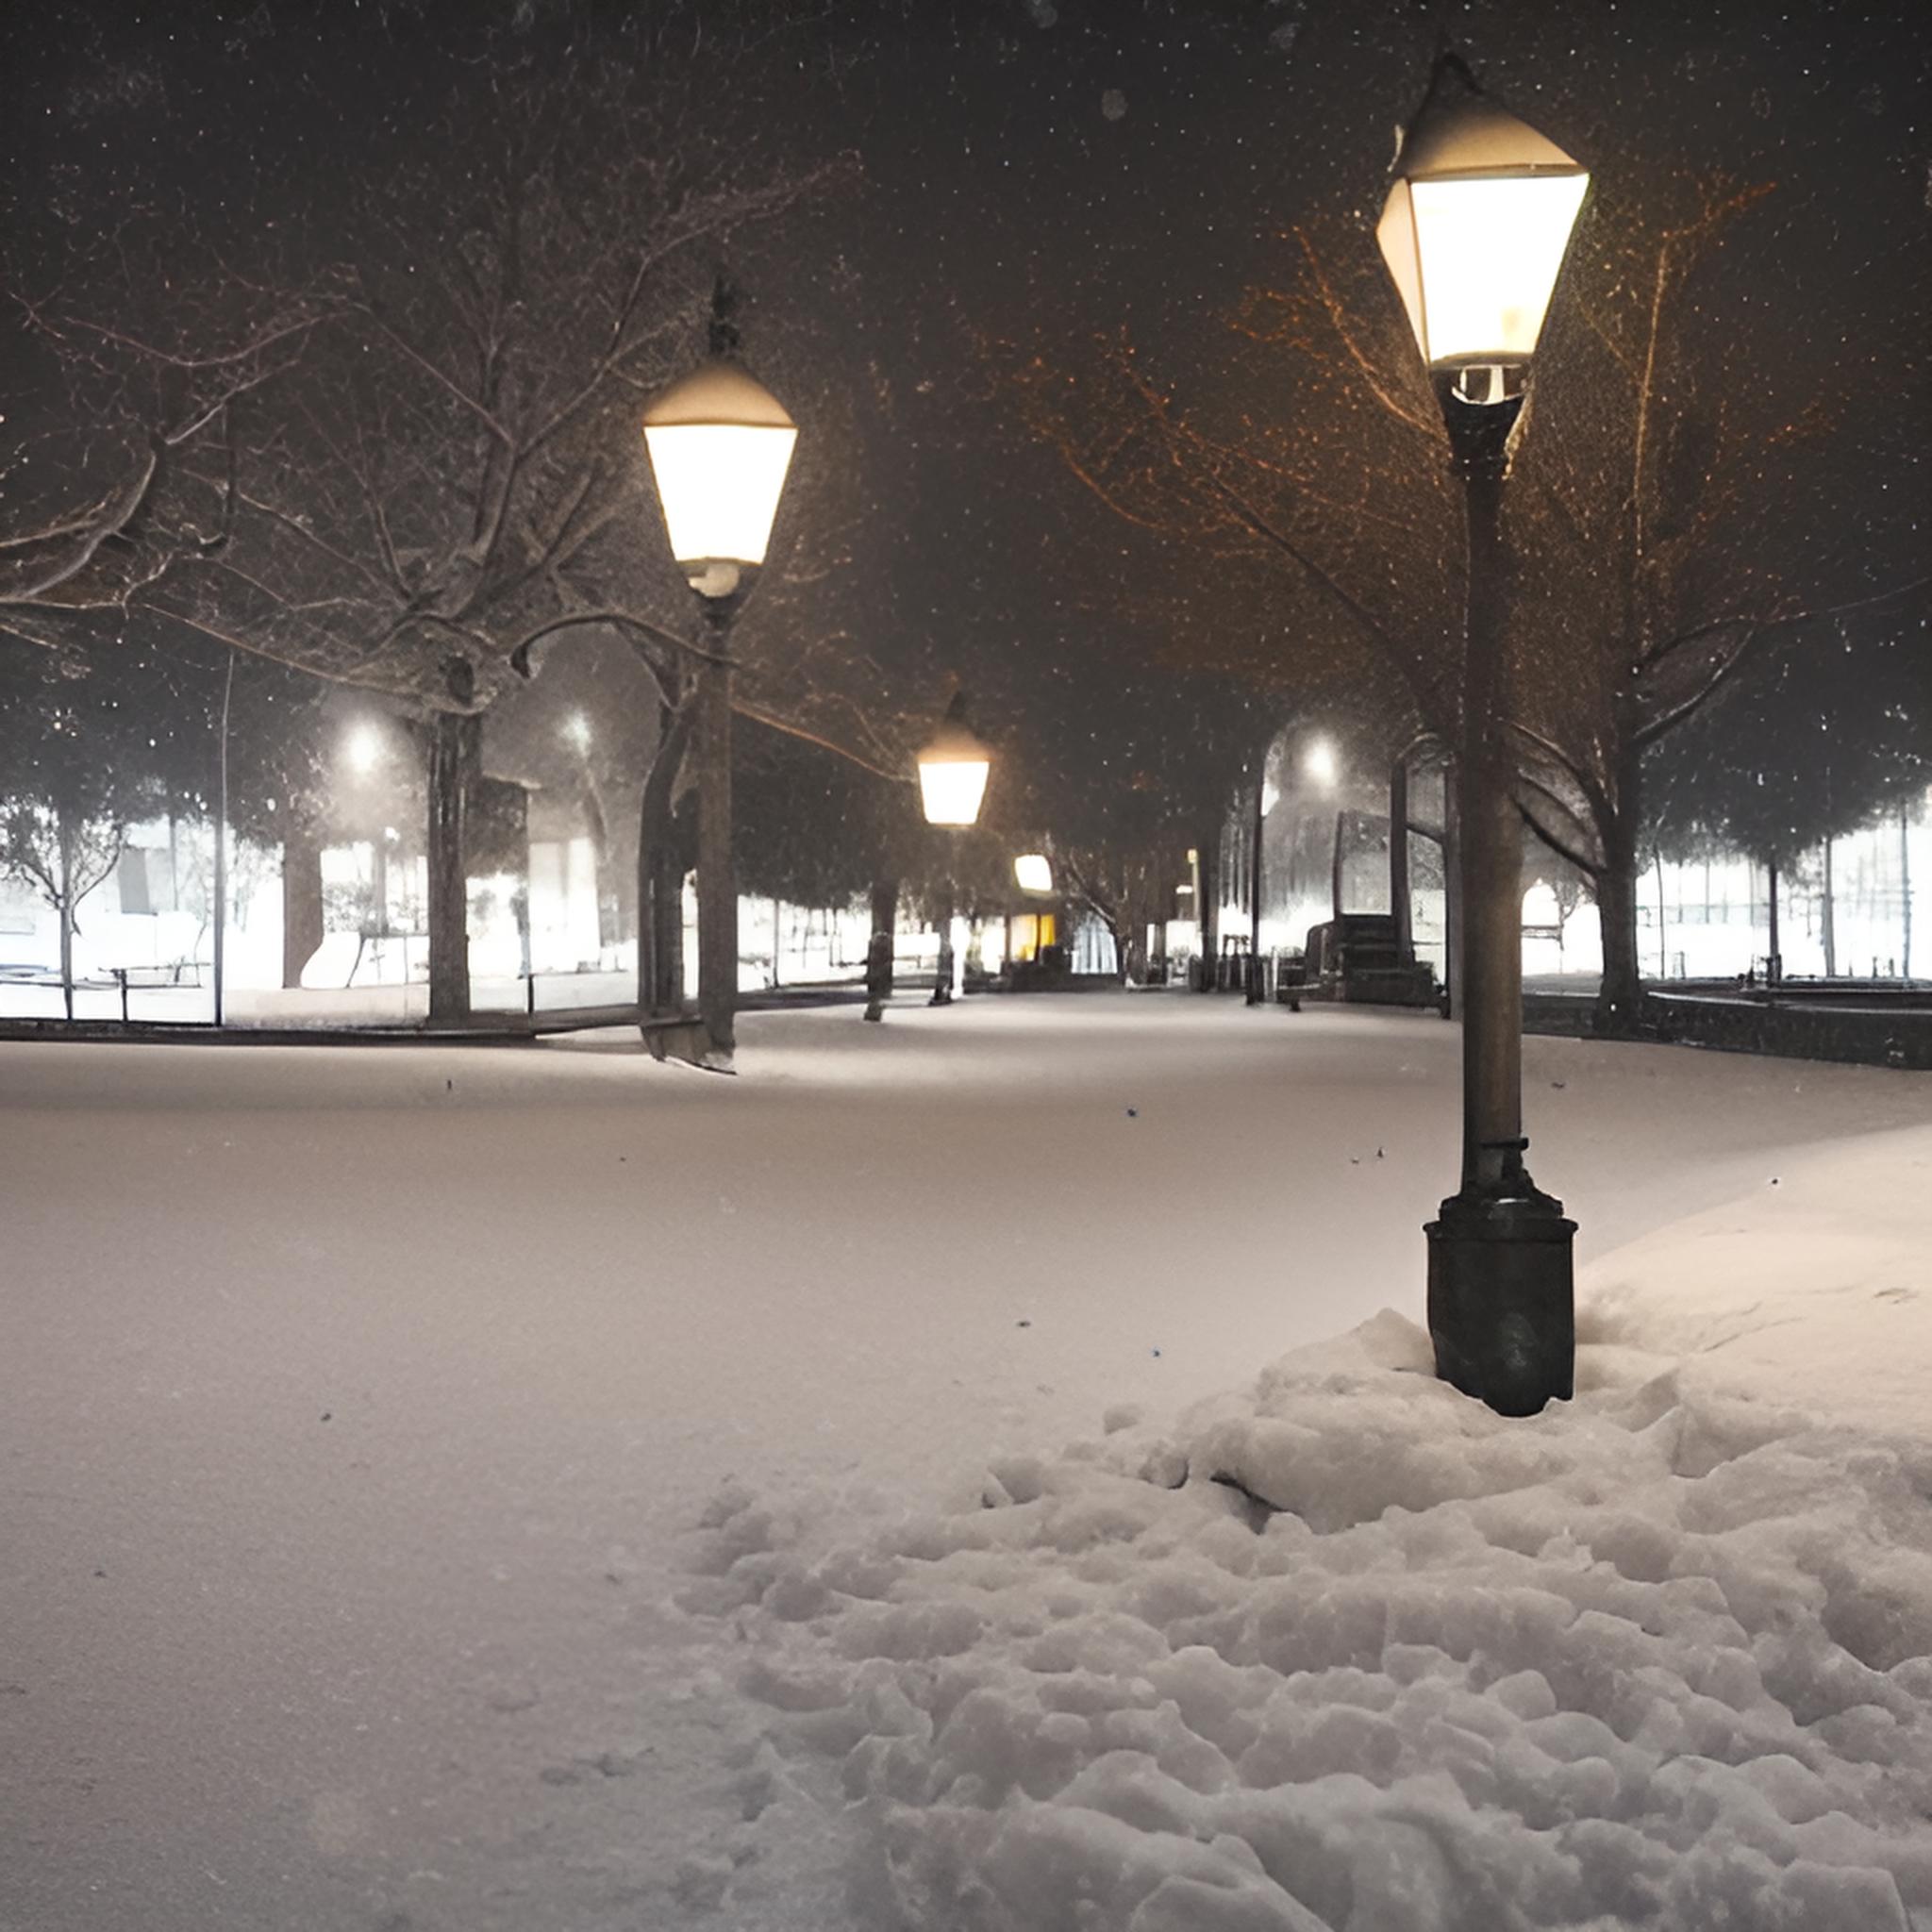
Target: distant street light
{"points": [[362, 752], [1318, 764], [576, 727], [1033, 873], [1474, 233], [720, 447], [953, 768]]}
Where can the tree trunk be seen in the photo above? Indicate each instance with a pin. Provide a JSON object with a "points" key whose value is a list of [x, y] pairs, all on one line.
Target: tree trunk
{"points": [[1452, 887], [1905, 890], [1827, 921], [1401, 905], [455, 755], [301, 914], [64, 907], [880, 946], [221, 908], [1256, 990], [1134, 957], [1663, 955], [1335, 865], [609, 892], [1620, 993], [885, 907], [1207, 904], [661, 873], [1775, 965], [717, 876]]}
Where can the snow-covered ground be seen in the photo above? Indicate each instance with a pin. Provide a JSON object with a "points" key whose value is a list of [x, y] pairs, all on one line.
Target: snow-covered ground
{"points": [[525, 1489]]}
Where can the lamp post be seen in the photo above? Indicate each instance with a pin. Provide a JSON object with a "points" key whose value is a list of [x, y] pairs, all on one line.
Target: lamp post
{"points": [[720, 445], [952, 769], [1474, 233], [1265, 797]]}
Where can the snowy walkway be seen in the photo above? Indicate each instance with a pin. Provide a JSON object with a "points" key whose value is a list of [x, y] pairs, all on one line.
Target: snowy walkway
{"points": [[360, 1408]]}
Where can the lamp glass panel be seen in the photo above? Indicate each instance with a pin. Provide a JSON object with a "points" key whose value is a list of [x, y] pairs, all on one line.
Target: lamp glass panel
{"points": [[951, 790], [719, 484], [1032, 872], [1488, 250], [1396, 237]]}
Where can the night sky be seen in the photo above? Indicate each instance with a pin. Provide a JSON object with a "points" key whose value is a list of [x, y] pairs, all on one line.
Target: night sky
{"points": [[1027, 173]]}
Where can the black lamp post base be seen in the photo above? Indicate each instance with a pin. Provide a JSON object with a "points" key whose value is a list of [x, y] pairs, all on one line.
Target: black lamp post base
{"points": [[1502, 1299]]}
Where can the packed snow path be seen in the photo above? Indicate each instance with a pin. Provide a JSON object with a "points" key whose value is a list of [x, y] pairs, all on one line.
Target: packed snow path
{"points": [[360, 1407]]}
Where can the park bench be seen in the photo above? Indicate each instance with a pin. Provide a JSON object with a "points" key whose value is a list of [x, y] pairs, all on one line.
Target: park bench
{"points": [[182, 973]]}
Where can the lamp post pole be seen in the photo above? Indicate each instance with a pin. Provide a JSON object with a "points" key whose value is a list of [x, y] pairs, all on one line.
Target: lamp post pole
{"points": [[717, 876], [718, 446], [1256, 991], [1474, 233], [953, 771], [1501, 1304]]}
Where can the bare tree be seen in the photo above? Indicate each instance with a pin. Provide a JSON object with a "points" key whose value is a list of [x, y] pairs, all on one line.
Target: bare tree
{"points": [[446, 472], [1681, 521], [76, 770], [1667, 519]]}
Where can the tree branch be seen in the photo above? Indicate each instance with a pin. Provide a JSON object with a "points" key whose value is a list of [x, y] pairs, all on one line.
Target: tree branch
{"points": [[759, 716], [1588, 867]]}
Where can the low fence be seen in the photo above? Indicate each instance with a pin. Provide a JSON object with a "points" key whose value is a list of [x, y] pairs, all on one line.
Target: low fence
{"points": [[1872, 1035], [1884, 1030]]}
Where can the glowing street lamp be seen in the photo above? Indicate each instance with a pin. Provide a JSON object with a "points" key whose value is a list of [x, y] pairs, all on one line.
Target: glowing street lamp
{"points": [[720, 447], [1033, 873], [953, 768], [1475, 230], [362, 749], [1318, 765]]}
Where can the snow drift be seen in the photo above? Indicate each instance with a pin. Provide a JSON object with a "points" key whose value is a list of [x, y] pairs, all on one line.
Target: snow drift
{"points": [[1351, 1652]]}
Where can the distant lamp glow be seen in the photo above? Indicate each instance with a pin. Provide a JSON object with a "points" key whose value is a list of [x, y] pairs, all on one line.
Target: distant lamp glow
{"points": [[1475, 231], [720, 445], [1032, 872], [576, 727], [1318, 762], [362, 748], [952, 770]]}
